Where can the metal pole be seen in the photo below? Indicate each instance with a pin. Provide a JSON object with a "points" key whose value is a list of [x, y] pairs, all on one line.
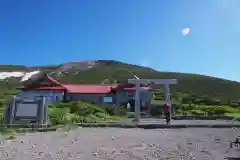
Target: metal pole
{"points": [[43, 115], [137, 102], [13, 108], [46, 112], [167, 97]]}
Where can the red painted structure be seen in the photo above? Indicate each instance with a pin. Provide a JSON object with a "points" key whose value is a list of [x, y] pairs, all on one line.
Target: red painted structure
{"points": [[82, 88], [53, 91]]}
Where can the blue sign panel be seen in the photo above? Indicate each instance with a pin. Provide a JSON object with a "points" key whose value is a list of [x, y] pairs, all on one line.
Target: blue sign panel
{"points": [[107, 100]]}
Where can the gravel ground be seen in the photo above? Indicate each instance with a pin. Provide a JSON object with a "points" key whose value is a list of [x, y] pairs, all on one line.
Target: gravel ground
{"points": [[122, 144], [189, 122]]}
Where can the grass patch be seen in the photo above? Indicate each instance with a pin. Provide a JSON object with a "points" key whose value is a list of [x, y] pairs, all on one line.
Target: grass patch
{"points": [[81, 112], [201, 110], [235, 115]]}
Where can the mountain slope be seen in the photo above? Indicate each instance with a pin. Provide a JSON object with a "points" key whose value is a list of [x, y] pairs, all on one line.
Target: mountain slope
{"points": [[98, 71]]}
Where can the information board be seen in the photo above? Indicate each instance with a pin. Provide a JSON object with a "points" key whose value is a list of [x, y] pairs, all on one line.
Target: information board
{"points": [[26, 110]]}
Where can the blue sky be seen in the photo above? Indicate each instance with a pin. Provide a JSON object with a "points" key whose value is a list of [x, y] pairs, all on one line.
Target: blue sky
{"points": [[144, 32]]}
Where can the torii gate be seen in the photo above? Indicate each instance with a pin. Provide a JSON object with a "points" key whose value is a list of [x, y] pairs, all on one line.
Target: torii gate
{"points": [[138, 82]]}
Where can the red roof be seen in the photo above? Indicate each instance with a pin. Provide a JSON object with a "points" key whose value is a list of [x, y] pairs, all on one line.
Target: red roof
{"points": [[54, 81], [46, 88], [88, 88]]}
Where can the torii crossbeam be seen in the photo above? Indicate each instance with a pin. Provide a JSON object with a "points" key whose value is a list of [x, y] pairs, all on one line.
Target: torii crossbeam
{"points": [[138, 82]]}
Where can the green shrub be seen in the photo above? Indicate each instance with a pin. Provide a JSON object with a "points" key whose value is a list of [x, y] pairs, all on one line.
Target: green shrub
{"points": [[73, 118], [92, 118], [184, 113], [109, 108], [80, 112], [158, 98], [80, 108], [156, 110], [122, 111], [59, 116], [214, 110], [187, 107], [207, 110], [197, 112], [102, 116], [2, 102]]}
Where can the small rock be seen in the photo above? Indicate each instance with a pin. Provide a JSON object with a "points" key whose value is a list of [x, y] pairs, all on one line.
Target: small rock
{"points": [[34, 146], [113, 150], [5, 154], [40, 153], [11, 137], [150, 145], [69, 154], [76, 139], [95, 154]]}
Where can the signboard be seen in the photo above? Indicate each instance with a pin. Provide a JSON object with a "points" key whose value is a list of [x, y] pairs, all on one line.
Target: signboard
{"points": [[27, 109], [107, 99], [33, 111]]}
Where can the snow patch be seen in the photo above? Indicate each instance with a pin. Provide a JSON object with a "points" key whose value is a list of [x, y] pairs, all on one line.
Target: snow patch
{"points": [[28, 75], [25, 76], [4, 75]]}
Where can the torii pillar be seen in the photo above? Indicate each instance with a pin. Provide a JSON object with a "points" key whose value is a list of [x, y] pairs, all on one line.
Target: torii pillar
{"points": [[138, 82]]}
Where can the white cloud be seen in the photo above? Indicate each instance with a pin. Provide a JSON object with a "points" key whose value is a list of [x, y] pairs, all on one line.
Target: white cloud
{"points": [[185, 31]]}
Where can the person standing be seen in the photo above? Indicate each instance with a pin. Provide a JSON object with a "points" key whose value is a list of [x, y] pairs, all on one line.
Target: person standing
{"points": [[167, 112]]}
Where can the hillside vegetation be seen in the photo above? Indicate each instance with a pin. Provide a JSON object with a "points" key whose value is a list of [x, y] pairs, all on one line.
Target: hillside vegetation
{"points": [[188, 84], [199, 85]]}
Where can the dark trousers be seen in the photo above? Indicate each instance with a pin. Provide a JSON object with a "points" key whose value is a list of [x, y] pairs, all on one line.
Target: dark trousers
{"points": [[167, 116]]}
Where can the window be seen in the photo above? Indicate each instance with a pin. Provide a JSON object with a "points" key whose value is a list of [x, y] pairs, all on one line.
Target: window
{"points": [[130, 96], [107, 100], [38, 97], [58, 98]]}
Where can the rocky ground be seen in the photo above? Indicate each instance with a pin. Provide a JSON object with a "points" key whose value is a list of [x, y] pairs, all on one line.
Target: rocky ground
{"points": [[122, 144]]}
